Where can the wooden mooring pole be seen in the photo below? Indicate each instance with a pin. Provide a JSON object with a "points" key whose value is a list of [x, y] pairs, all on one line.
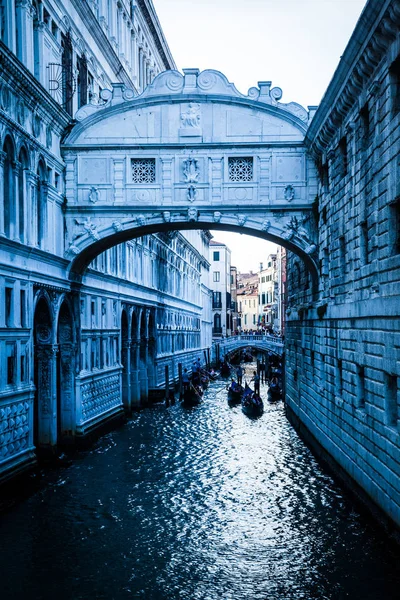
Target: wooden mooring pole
{"points": [[167, 385], [180, 380]]}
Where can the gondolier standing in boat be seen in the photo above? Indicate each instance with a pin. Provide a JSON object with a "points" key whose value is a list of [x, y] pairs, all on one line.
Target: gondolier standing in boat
{"points": [[185, 380], [195, 373], [239, 373], [256, 379]]}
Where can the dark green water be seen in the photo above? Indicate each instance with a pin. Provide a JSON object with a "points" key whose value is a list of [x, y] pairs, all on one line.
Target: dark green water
{"points": [[194, 504]]}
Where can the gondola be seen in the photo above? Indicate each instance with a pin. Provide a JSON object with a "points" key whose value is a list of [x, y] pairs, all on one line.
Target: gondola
{"points": [[252, 406], [192, 396], [225, 370], [274, 393], [235, 394], [213, 375]]}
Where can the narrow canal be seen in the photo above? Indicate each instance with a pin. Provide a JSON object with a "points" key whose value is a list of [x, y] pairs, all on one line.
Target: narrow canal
{"points": [[194, 504]]}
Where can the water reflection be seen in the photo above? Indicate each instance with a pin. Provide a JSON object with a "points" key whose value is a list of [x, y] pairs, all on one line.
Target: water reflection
{"points": [[198, 503]]}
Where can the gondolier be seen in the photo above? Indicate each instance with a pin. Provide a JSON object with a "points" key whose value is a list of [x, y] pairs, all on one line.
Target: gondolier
{"points": [[239, 374]]}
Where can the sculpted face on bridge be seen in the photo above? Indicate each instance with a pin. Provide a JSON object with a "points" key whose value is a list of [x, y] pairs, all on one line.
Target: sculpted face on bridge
{"points": [[190, 149]]}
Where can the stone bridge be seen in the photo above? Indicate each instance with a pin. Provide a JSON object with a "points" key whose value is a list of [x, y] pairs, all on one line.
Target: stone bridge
{"points": [[263, 343], [191, 152]]}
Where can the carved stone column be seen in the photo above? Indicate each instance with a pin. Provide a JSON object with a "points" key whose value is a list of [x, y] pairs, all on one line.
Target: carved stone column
{"points": [[31, 207], [126, 373], [2, 159], [39, 66], [67, 390], [15, 165], [42, 205], [24, 19], [9, 27], [113, 24], [135, 365], [46, 356], [19, 218]]}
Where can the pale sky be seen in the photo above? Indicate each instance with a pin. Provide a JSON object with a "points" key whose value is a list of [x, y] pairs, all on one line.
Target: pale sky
{"points": [[296, 44]]}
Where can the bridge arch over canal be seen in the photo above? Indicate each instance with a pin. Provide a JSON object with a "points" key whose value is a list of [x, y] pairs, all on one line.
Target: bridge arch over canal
{"points": [[191, 152]]}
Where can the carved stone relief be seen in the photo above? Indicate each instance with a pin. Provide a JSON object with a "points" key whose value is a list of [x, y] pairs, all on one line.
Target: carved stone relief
{"points": [[191, 170], [192, 214], [93, 194], [191, 193]]}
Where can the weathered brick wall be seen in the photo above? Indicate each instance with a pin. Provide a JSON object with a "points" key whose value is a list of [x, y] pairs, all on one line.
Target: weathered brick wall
{"points": [[343, 348]]}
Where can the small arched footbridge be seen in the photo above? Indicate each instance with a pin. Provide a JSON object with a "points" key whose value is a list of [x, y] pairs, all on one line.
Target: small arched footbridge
{"points": [[263, 343]]}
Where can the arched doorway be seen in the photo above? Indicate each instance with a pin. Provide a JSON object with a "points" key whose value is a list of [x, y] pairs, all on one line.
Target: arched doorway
{"points": [[66, 360], [45, 378]]}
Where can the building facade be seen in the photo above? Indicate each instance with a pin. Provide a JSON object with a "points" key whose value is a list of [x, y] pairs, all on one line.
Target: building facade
{"points": [[220, 256], [281, 299], [75, 356], [268, 286], [247, 299], [342, 351]]}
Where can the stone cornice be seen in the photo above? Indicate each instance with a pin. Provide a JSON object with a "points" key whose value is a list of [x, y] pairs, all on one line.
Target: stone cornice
{"points": [[149, 14], [377, 27], [33, 91], [88, 17]]}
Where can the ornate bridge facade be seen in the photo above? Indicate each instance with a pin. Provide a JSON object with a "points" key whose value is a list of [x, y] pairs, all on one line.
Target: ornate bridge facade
{"points": [[190, 152]]}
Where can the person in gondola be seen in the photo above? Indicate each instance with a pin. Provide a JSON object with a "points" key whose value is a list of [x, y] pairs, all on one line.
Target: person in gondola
{"points": [[256, 379], [185, 380], [195, 373], [239, 373], [235, 387], [274, 381]]}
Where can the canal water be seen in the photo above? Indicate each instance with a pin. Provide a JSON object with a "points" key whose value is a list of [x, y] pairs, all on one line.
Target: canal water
{"points": [[195, 504]]}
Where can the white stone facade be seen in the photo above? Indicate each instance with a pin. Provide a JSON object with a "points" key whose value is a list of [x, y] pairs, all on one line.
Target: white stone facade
{"points": [[74, 357], [220, 258], [268, 288]]}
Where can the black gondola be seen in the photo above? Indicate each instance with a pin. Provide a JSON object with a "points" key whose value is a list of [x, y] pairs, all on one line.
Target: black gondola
{"points": [[235, 393], [274, 393], [252, 405], [192, 395], [225, 370]]}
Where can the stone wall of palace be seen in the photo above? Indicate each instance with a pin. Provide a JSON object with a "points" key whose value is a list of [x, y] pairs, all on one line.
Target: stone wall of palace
{"points": [[343, 351], [73, 358]]}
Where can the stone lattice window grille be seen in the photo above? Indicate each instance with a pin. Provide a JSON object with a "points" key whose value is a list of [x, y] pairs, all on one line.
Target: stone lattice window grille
{"points": [[143, 170], [240, 168]]}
